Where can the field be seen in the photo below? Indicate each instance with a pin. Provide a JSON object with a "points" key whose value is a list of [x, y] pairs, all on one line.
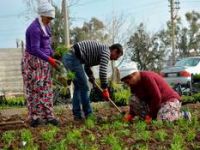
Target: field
{"points": [[106, 131]]}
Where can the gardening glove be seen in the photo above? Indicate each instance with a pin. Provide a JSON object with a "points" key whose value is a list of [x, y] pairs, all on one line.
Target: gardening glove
{"points": [[106, 94], [54, 63], [128, 118], [148, 119]]}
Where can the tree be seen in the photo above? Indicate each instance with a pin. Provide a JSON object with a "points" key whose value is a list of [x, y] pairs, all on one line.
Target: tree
{"points": [[187, 38], [92, 30], [193, 31], [147, 50], [57, 28]]}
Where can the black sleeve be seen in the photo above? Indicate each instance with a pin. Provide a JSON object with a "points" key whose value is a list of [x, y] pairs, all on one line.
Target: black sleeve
{"points": [[88, 71]]}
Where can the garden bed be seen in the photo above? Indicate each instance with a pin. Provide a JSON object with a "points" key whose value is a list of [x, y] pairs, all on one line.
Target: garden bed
{"points": [[107, 133]]}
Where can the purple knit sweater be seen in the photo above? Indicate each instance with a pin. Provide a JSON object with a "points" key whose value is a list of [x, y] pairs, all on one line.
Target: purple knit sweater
{"points": [[37, 43]]}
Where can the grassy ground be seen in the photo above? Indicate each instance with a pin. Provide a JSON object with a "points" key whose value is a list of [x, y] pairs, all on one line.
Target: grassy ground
{"points": [[107, 133]]}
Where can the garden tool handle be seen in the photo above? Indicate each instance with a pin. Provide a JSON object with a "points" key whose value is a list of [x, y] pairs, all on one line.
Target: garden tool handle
{"points": [[108, 98]]}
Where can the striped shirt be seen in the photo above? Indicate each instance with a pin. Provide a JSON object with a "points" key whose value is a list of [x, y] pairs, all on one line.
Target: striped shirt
{"points": [[93, 53]]}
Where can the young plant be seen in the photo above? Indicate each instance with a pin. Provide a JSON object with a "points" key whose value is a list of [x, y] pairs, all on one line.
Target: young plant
{"points": [[73, 136], [183, 124], [124, 132], [140, 126], [140, 146], [60, 50], [49, 135], [61, 145], [117, 124], [177, 142], [71, 75], [157, 123], [8, 137], [160, 135], [26, 136], [113, 141], [91, 137], [89, 123], [190, 135], [143, 135]]}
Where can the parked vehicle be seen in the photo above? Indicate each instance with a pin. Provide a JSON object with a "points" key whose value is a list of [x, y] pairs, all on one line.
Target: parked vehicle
{"points": [[182, 71]]}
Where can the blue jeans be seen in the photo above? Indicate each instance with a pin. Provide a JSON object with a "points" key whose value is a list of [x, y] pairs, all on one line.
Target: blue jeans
{"points": [[81, 88]]}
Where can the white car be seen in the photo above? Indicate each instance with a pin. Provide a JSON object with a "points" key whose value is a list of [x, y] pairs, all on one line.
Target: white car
{"points": [[182, 71]]}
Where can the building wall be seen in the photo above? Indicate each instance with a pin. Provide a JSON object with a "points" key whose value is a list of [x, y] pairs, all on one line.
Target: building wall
{"points": [[10, 70]]}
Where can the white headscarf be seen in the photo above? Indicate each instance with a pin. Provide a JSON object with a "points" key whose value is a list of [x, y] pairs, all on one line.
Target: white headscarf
{"points": [[46, 9], [127, 69]]}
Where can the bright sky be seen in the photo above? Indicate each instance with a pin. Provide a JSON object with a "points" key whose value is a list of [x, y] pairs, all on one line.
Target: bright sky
{"points": [[154, 13]]}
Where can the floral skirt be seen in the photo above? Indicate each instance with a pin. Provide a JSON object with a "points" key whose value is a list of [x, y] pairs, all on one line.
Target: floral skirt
{"points": [[169, 110], [37, 87]]}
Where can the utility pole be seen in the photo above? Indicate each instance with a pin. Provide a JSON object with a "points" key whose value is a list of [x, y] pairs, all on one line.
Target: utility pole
{"points": [[66, 22], [113, 77], [174, 7]]}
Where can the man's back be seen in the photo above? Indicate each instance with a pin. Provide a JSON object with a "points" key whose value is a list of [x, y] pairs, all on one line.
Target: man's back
{"points": [[91, 52]]}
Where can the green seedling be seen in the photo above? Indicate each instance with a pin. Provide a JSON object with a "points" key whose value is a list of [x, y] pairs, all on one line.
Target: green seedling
{"points": [[91, 137], [157, 123], [8, 137], [143, 135], [191, 134], [124, 132], [140, 147], [49, 135], [90, 123], [61, 145], [60, 50], [140, 126], [160, 135], [177, 142], [117, 124], [73, 136], [71, 75], [26, 136], [113, 141]]}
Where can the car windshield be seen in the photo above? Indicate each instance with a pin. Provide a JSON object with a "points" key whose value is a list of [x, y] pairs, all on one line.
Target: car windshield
{"points": [[188, 62]]}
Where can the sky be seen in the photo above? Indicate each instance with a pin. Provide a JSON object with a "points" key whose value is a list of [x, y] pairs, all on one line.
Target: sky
{"points": [[154, 14]]}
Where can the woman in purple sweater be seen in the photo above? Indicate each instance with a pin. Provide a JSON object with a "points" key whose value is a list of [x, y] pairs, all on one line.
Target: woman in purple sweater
{"points": [[152, 97], [36, 68]]}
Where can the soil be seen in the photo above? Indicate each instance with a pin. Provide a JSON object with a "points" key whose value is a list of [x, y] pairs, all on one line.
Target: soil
{"points": [[107, 116]]}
